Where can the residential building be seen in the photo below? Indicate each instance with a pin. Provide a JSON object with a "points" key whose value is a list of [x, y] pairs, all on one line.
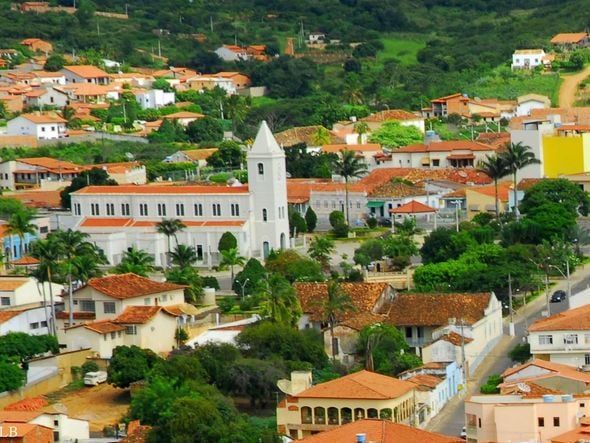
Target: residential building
{"points": [[184, 117], [125, 173], [208, 82], [563, 338], [32, 321], [231, 53], [315, 38], [523, 418], [45, 78], [378, 431], [482, 199], [42, 126], [526, 103], [91, 92], [239, 80], [308, 409], [85, 74], [17, 293], [118, 217], [38, 172], [487, 109], [404, 118], [154, 98], [196, 156], [571, 40], [304, 135], [529, 59], [444, 106], [576, 435], [46, 97], [37, 45], [366, 152], [440, 154]]}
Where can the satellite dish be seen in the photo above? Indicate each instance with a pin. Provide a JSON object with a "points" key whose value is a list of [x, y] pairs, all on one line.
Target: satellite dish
{"points": [[523, 387], [285, 386]]}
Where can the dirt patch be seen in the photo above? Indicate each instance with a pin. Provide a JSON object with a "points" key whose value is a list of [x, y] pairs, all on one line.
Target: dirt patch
{"points": [[569, 88], [102, 405]]}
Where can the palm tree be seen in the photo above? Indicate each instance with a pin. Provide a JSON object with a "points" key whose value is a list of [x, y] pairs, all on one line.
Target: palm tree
{"points": [[136, 261], [187, 276], [170, 227], [494, 167], [231, 258], [86, 267], [320, 249], [361, 129], [19, 224], [516, 157], [184, 256], [349, 166], [47, 252], [336, 303], [280, 300]]}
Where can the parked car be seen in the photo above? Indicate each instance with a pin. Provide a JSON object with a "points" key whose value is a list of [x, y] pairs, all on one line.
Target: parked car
{"points": [[558, 296], [95, 378]]}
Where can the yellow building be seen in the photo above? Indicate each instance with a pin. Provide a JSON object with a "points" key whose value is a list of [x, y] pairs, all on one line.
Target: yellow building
{"points": [[311, 409], [566, 154], [483, 199]]}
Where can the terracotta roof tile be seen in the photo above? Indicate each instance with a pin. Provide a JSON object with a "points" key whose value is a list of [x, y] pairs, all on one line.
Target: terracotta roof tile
{"points": [[379, 431], [136, 433], [125, 286], [396, 189], [43, 118], [363, 385], [367, 147], [412, 309], [427, 380], [504, 189], [78, 315], [163, 189], [552, 369], [413, 207], [446, 146], [19, 416], [568, 38], [138, 314], [301, 134], [577, 319], [358, 321], [200, 154], [26, 260], [455, 339], [183, 114], [27, 404], [10, 284], [87, 71], [364, 296], [393, 114], [100, 327], [7, 315]]}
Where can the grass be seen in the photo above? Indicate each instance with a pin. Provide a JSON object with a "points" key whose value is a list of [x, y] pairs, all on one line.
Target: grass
{"points": [[402, 47], [74, 386]]}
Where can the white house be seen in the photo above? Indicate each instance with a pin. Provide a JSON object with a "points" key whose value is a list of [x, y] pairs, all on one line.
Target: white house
{"points": [[155, 98], [50, 78], [440, 154], [18, 293], [118, 217], [231, 53], [31, 321], [64, 428], [85, 74], [528, 58], [563, 338], [42, 126], [526, 103], [43, 97]]}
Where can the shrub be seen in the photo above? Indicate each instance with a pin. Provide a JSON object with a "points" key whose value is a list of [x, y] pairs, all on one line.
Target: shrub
{"points": [[521, 352], [210, 281], [226, 304], [311, 219], [372, 222], [89, 366], [336, 217], [341, 230]]}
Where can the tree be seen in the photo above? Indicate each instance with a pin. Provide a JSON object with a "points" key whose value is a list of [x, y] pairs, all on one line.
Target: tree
{"points": [[336, 303], [229, 154], [559, 191], [320, 249], [297, 223], [54, 63], [336, 217], [383, 348], [94, 177], [517, 156], [85, 12], [349, 166], [24, 346], [256, 379], [521, 353], [321, 137], [495, 168], [227, 241], [11, 375], [188, 276], [136, 261], [10, 206], [249, 277], [19, 224], [361, 129], [393, 135], [231, 258], [294, 267], [205, 129], [280, 303], [170, 227], [48, 253], [444, 244], [162, 84], [129, 364], [184, 256], [311, 219]]}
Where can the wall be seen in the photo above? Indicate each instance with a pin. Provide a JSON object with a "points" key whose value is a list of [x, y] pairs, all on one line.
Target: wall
{"points": [[564, 155]]}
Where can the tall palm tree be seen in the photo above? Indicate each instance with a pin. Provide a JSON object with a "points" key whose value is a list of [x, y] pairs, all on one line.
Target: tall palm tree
{"points": [[136, 261], [86, 267], [335, 304], [349, 166], [170, 227], [187, 276], [361, 129], [280, 300], [183, 256], [320, 249], [231, 258], [48, 253], [516, 157], [494, 167], [19, 224]]}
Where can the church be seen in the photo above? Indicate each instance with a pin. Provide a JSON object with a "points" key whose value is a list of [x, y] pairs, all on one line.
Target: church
{"points": [[120, 217]]}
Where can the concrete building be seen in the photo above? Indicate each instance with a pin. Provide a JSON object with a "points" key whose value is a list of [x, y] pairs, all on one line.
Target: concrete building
{"points": [[42, 126], [155, 98], [404, 118], [440, 154], [85, 74], [529, 59]]}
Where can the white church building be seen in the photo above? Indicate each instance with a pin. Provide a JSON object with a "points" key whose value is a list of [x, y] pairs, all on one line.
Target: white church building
{"points": [[121, 217]]}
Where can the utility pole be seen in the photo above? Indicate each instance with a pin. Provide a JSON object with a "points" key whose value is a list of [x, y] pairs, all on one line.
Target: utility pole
{"points": [[463, 362], [97, 27], [159, 49], [511, 324], [211, 23], [569, 284], [547, 294]]}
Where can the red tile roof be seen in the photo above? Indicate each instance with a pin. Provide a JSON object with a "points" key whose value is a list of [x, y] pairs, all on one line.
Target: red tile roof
{"points": [[27, 404], [577, 319], [411, 309], [19, 416], [26, 260], [427, 380], [367, 147], [138, 314], [455, 339], [504, 189], [413, 207], [568, 38], [125, 286], [78, 315], [393, 114], [87, 71], [379, 431], [163, 189], [7, 315], [100, 327], [10, 284], [362, 385], [445, 146], [43, 118]]}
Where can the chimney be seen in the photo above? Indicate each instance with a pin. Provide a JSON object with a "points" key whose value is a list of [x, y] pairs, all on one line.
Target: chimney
{"points": [[360, 438]]}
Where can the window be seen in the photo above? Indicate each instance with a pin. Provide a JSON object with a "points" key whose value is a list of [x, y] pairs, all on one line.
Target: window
{"points": [[34, 325], [556, 422], [545, 339], [5, 301], [358, 205], [180, 209], [260, 169], [216, 210], [264, 215], [105, 337], [87, 306], [131, 330], [143, 209], [94, 209], [109, 307], [198, 210], [235, 210], [146, 301], [44, 325], [408, 332], [77, 209], [570, 339], [113, 335], [110, 209], [161, 210], [436, 162], [541, 422], [125, 209]]}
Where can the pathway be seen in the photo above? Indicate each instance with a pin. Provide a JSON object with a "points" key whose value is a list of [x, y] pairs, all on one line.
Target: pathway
{"points": [[569, 88]]}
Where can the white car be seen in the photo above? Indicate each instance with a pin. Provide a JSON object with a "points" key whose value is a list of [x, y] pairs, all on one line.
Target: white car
{"points": [[95, 378]]}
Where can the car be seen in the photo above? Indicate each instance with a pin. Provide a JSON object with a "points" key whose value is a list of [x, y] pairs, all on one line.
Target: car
{"points": [[558, 296], [463, 433], [95, 378]]}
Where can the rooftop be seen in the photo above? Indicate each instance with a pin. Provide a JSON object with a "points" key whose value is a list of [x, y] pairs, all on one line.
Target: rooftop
{"points": [[569, 37], [27, 404], [9, 284], [39, 118], [391, 114], [577, 319], [86, 71], [446, 146], [163, 189], [125, 286], [138, 314]]}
